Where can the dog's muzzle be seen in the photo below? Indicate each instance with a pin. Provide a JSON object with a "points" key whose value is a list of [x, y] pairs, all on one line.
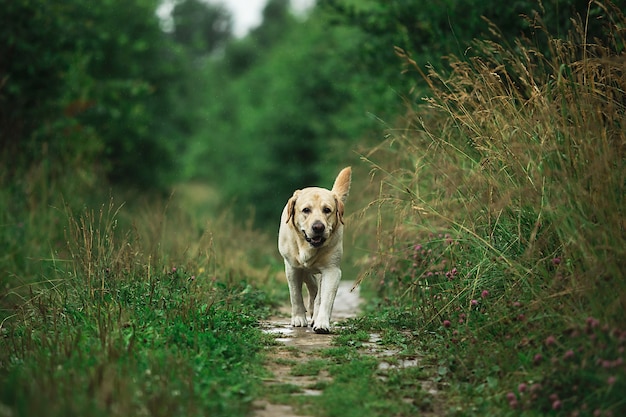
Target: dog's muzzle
{"points": [[317, 239]]}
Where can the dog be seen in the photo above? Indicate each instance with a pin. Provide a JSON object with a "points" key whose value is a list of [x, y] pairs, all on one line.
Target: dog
{"points": [[310, 240]]}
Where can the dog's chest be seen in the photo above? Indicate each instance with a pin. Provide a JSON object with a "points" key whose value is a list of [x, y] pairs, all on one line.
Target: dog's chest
{"points": [[308, 258]]}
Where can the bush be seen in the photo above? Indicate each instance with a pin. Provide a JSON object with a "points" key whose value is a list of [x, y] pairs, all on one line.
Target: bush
{"points": [[91, 86]]}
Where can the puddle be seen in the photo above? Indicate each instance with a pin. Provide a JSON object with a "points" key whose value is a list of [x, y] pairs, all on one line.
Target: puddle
{"points": [[375, 338], [304, 338], [282, 331], [346, 306], [311, 392], [399, 364], [265, 409]]}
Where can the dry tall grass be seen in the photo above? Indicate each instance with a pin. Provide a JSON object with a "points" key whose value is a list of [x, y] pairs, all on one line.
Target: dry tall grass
{"points": [[532, 141], [156, 236]]}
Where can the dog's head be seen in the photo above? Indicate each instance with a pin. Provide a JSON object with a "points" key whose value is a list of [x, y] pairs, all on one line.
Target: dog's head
{"points": [[317, 212]]}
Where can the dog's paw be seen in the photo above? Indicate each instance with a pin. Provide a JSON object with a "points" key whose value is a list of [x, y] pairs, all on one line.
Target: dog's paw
{"points": [[321, 328], [298, 321]]}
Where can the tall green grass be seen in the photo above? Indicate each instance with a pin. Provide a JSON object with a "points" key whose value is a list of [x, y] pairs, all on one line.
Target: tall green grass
{"points": [[506, 242], [129, 309]]}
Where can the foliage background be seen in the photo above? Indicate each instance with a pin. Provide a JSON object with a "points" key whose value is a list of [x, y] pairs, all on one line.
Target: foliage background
{"points": [[104, 91]]}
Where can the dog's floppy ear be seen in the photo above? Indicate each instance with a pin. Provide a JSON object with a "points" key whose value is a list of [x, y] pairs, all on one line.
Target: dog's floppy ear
{"points": [[340, 209], [291, 207]]}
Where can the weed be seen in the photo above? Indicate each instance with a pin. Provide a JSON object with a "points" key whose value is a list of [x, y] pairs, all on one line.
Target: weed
{"points": [[507, 191], [120, 328], [310, 368], [349, 338]]}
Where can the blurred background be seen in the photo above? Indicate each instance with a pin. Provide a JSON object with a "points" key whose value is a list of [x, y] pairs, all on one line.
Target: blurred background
{"points": [[238, 101]]}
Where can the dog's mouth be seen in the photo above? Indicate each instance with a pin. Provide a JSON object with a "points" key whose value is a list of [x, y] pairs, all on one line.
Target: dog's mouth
{"points": [[315, 241]]}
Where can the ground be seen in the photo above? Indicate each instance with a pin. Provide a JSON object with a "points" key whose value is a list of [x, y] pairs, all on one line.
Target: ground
{"points": [[297, 371]]}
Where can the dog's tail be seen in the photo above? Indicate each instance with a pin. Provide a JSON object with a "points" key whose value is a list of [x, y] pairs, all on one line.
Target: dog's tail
{"points": [[341, 187]]}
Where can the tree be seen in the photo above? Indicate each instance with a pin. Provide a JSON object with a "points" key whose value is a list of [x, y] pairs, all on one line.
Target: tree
{"points": [[432, 30], [91, 84], [202, 27], [286, 116], [276, 22]]}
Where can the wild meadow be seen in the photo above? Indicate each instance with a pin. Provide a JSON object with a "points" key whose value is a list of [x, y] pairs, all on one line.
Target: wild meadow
{"points": [[501, 225], [151, 317], [485, 225]]}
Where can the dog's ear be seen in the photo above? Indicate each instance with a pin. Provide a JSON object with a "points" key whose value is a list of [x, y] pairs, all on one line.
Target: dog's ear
{"points": [[291, 207], [340, 209], [341, 187]]}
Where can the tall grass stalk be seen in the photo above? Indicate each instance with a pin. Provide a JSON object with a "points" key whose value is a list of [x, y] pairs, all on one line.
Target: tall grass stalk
{"points": [[145, 310], [531, 141], [500, 222]]}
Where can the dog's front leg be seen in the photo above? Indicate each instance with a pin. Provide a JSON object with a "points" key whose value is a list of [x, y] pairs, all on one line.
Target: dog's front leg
{"points": [[295, 278], [312, 285], [329, 283]]}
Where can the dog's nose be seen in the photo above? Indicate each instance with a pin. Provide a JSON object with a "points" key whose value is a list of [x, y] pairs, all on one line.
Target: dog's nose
{"points": [[318, 227]]}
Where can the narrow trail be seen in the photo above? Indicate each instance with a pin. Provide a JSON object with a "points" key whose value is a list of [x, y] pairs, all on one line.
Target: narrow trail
{"points": [[296, 346], [295, 342]]}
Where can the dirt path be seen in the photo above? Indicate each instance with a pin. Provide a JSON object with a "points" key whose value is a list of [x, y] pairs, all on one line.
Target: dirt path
{"points": [[295, 341], [297, 346]]}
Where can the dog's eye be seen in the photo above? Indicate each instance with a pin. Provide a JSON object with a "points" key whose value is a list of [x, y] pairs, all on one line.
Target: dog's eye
{"points": [[326, 210], [306, 210]]}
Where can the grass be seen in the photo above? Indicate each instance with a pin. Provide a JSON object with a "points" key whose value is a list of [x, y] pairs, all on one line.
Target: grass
{"points": [[133, 314], [501, 241], [152, 349]]}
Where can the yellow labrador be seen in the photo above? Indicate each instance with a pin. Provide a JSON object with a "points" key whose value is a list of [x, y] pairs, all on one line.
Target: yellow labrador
{"points": [[310, 240]]}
